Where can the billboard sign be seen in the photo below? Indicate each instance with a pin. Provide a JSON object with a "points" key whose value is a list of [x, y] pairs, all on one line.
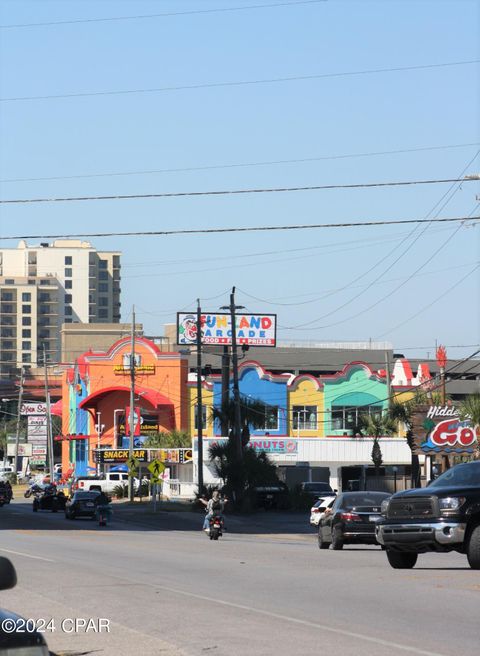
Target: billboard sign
{"points": [[251, 329], [439, 430]]}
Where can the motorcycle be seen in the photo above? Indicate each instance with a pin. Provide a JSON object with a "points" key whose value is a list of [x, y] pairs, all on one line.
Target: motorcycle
{"points": [[35, 489], [3, 499], [217, 526], [103, 515]]}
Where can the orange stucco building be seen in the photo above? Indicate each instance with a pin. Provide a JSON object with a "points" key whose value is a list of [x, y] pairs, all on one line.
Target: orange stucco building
{"points": [[96, 399]]}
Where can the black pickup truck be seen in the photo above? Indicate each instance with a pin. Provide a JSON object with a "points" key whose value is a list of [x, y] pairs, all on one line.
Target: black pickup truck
{"points": [[444, 516]]}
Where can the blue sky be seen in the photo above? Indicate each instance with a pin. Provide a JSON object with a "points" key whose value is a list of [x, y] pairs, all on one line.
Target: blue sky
{"points": [[320, 282]]}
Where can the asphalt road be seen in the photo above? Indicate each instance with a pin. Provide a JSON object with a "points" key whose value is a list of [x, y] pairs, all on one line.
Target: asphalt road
{"points": [[263, 589]]}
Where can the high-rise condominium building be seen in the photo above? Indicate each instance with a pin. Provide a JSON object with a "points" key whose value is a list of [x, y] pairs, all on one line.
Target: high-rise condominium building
{"points": [[44, 286]]}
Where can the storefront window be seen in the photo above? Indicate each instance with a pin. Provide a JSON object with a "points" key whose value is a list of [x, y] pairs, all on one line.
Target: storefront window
{"points": [[346, 417], [304, 417]]}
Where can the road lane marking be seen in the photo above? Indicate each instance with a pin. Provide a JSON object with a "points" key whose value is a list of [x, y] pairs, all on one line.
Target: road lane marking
{"points": [[294, 620], [20, 553]]}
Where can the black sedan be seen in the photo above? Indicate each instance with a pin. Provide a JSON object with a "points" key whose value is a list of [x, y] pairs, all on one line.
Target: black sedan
{"points": [[49, 500], [351, 520], [82, 504]]}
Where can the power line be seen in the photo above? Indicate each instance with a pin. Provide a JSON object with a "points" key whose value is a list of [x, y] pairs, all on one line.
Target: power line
{"points": [[168, 14], [211, 167], [233, 192], [426, 307], [208, 231], [240, 83]]}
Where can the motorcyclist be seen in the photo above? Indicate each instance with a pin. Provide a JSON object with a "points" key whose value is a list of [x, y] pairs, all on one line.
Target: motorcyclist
{"points": [[214, 506], [102, 503]]}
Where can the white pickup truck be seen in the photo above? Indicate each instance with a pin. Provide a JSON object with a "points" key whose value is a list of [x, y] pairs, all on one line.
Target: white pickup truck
{"points": [[107, 482]]}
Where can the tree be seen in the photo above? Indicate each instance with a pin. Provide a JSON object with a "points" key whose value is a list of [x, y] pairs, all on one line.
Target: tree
{"points": [[377, 457], [376, 426], [253, 414], [470, 409], [172, 440], [255, 470]]}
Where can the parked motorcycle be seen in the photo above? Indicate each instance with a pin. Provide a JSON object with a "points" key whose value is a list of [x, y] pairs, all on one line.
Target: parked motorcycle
{"points": [[217, 526]]}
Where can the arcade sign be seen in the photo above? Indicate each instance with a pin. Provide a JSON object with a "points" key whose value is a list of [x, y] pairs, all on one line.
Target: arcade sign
{"points": [[251, 329]]}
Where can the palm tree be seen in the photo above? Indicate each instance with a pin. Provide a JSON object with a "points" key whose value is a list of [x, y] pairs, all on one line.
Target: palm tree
{"points": [[253, 414], [256, 469], [402, 415], [174, 439], [470, 409], [376, 426]]}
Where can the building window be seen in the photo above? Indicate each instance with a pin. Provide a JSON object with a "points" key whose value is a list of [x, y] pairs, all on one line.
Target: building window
{"points": [[116, 261], [9, 281], [67, 320], [68, 298], [103, 264], [7, 308], [27, 309], [26, 332], [103, 301], [204, 417], [68, 273], [68, 259], [7, 344], [304, 417], [26, 321], [103, 275], [26, 346], [26, 357], [68, 311], [271, 418], [32, 257], [68, 284], [7, 296], [26, 297], [103, 286], [103, 314], [346, 417], [42, 282]]}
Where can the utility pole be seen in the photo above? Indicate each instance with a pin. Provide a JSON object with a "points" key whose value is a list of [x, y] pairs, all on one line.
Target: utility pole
{"points": [[17, 432], [237, 429], [132, 402], [199, 399], [225, 390], [49, 424]]}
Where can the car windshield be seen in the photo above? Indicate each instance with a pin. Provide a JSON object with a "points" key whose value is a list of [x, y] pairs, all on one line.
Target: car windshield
{"points": [[364, 499], [467, 474]]}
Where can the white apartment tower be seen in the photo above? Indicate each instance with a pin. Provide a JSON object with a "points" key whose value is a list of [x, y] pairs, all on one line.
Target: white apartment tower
{"points": [[44, 286]]}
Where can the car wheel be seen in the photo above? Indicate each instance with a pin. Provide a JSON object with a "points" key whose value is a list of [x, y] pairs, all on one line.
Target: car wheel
{"points": [[321, 542], [337, 543], [401, 560], [473, 548]]}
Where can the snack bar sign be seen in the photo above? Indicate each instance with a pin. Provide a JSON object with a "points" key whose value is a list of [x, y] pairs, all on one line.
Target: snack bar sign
{"points": [[251, 329]]}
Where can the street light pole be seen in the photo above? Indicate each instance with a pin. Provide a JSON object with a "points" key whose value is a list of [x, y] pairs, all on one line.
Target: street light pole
{"points": [[132, 401], [199, 399], [17, 431]]}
